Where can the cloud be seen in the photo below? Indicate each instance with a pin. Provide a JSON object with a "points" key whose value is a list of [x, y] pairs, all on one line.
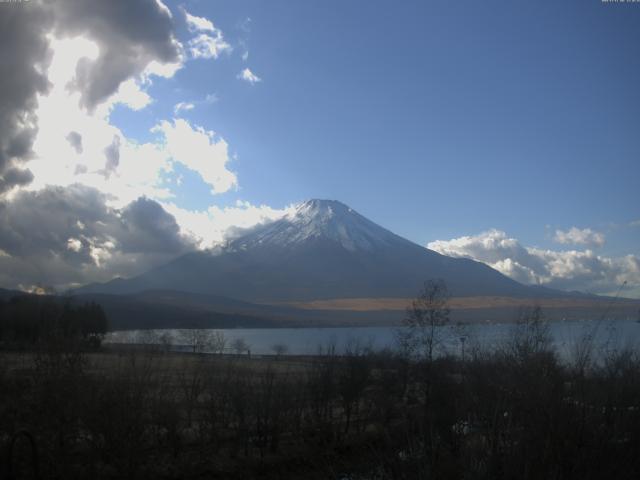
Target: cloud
{"points": [[209, 41], [198, 24], [245, 27], [64, 237], [183, 107], [151, 229], [248, 76], [25, 55], [634, 223], [208, 46], [75, 140], [14, 177], [200, 150], [567, 270], [576, 236], [129, 38], [131, 94], [186, 106], [122, 168], [215, 225], [61, 236], [129, 35], [86, 148], [79, 200], [112, 154]]}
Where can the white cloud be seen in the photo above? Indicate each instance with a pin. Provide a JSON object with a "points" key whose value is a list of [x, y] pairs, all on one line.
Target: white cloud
{"points": [[248, 76], [164, 69], [634, 223], [88, 202], [131, 94], [577, 236], [211, 226], [208, 46], [567, 270], [140, 168], [74, 245], [209, 99], [209, 41], [164, 8], [200, 150], [198, 24], [183, 107], [83, 147]]}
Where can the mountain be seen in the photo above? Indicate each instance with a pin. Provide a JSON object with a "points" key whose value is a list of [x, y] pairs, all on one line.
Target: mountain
{"points": [[164, 309], [323, 250], [172, 309], [6, 294]]}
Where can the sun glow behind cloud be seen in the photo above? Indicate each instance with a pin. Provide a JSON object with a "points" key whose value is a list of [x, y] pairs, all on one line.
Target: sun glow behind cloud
{"points": [[140, 168], [74, 142], [59, 162], [111, 186]]}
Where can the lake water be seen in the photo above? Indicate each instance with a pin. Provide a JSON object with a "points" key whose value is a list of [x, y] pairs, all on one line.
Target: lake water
{"points": [[607, 336]]}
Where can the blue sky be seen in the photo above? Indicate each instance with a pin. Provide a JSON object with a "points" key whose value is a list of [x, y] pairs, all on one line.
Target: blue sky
{"points": [[502, 131], [435, 119]]}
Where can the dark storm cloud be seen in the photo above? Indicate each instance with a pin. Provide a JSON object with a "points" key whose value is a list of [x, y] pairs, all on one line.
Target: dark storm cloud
{"points": [[150, 228], [24, 54], [40, 223], [130, 35], [59, 235], [13, 177]]}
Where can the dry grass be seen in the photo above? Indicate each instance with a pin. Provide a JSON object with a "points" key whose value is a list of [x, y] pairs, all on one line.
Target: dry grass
{"points": [[399, 304]]}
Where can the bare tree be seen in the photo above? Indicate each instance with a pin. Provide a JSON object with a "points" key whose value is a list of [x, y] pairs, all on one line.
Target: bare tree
{"points": [[279, 349], [425, 317], [197, 339], [218, 342], [240, 346], [531, 335]]}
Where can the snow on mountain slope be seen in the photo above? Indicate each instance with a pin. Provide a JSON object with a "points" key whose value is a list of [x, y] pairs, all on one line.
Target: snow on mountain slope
{"points": [[323, 250], [329, 220]]}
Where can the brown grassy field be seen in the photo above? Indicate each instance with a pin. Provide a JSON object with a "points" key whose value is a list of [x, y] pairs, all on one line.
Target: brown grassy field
{"points": [[375, 304]]}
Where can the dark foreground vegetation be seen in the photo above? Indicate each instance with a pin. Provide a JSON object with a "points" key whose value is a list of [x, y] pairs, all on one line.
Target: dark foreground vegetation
{"points": [[67, 411], [147, 414]]}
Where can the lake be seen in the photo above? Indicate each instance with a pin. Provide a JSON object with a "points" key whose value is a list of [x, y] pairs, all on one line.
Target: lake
{"points": [[607, 336]]}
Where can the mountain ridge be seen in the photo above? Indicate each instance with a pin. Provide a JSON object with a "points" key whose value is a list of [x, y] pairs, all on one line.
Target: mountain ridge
{"points": [[322, 250]]}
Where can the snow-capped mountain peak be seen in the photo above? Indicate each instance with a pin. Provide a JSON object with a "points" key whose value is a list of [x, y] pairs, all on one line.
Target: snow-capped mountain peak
{"points": [[321, 250], [320, 220]]}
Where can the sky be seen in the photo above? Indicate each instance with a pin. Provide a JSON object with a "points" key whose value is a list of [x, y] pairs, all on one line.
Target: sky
{"points": [[132, 132]]}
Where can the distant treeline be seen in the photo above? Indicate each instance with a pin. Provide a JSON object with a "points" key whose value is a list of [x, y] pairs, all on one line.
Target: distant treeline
{"points": [[29, 319]]}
